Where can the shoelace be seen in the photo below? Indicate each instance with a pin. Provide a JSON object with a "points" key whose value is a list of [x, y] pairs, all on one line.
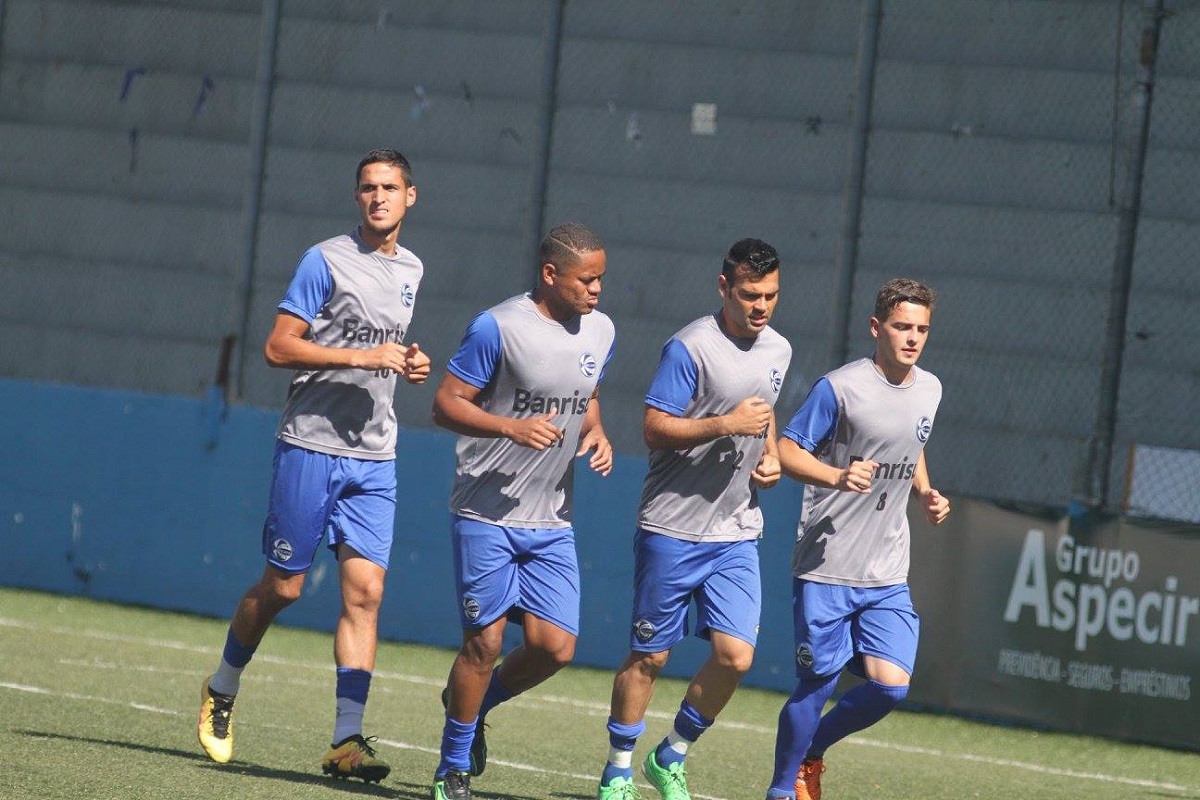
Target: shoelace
{"points": [[365, 744], [222, 709]]}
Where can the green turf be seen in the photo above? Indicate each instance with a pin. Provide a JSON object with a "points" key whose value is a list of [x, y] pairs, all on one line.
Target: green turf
{"points": [[99, 701]]}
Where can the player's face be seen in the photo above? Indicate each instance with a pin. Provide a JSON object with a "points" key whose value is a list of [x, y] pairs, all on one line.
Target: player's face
{"points": [[900, 339], [574, 289], [383, 197], [748, 302]]}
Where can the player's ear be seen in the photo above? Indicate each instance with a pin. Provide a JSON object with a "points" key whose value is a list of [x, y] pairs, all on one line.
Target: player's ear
{"points": [[722, 285], [410, 197], [549, 273], [875, 325]]}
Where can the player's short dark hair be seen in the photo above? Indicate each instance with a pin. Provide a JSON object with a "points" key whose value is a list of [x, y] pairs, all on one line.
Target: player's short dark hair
{"points": [[566, 242], [385, 155], [903, 290], [756, 256]]}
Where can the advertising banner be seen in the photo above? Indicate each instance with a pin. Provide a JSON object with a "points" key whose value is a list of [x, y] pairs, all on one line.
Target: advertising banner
{"points": [[1086, 624]]}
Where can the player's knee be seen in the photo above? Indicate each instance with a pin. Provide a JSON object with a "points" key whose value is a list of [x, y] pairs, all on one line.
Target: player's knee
{"points": [[888, 696], [649, 664], [560, 655]]}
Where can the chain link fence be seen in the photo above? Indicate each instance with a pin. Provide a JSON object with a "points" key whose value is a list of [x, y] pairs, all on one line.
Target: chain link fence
{"points": [[1033, 160]]}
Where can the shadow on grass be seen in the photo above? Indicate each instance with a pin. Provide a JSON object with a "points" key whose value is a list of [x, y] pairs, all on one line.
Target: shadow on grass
{"points": [[244, 768], [402, 790]]}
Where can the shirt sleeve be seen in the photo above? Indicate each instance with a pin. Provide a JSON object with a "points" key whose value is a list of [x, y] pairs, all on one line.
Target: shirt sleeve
{"points": [[612, 348], [816, 419], [477, 355], [675, 382], [311, 287]]}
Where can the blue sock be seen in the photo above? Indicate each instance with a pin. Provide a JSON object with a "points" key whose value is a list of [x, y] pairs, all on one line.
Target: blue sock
{"points": [[353, 684], [689, 724], [456, 746], [352, 688], [859, 708], [228, 677], [621, 740], [798, 720], [495, 694], [236, 654]]}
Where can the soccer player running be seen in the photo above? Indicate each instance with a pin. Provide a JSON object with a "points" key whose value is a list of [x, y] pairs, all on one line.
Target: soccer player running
{"points": [[341, 327], [710, 426], [858, 440], [522, 392]]}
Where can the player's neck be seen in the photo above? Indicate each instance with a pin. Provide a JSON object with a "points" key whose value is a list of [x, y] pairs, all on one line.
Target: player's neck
{"points": [[381, 242], [895, 374]]}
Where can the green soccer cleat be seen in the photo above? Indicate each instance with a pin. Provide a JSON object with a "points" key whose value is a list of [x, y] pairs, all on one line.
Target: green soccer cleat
{"points": [[355, 758], [618, 789], [671, 782], [215, 729], [478, 742], [455, 785]]}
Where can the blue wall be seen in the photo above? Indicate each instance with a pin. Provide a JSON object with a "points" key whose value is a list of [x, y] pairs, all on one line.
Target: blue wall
{"points": [[159, 500]]}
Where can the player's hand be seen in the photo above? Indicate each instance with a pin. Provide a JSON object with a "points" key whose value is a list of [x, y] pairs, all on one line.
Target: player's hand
{"points": [[416, 364], [389, 355], [857, 477], [536, 432], [749, 417], [767, 473], [937, 507], [602, 459]]}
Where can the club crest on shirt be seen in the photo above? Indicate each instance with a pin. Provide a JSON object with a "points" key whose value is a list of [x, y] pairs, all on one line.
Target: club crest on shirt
{"points": [[924, 426], [587, 365], [643, 629], [470, 608], [776, 380], [281, 550], [407, 295]]}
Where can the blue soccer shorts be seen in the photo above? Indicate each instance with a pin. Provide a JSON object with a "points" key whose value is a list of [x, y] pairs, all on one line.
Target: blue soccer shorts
{"points": [[314, 495], [836, 625], [498, 570], [669, 574]]}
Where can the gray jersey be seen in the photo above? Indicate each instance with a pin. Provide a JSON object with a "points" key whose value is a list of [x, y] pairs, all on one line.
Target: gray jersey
{"points": [[704, 493], [541, 366], [851, 539], [365, 299]]}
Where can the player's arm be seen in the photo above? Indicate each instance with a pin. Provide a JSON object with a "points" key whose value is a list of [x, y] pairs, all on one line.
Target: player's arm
{"points": [[593, 438], [287, 348], [666, 425], [456, 409], [935, 505], [814, 423], [768, 471]]}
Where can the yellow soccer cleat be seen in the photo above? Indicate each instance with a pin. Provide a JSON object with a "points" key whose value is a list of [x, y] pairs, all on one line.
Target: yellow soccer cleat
{"points": [[355, 758], [215, 729]]}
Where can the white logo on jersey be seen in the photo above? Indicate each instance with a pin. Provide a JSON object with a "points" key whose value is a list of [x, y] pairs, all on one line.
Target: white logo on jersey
{"points": [[776, 380], [281, 549], [924, 426], [587, 365], [407, 295], [643, 629]]}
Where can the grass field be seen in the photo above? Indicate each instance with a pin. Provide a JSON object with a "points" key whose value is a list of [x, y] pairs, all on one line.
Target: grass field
{"points": [[99, 701]]}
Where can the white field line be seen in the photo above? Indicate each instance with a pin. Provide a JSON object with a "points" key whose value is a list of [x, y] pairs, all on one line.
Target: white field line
{"points": [[541, 700]]}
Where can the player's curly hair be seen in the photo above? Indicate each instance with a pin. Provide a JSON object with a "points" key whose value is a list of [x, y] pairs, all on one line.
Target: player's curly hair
{"points": [[566, 242], [903, 290]]}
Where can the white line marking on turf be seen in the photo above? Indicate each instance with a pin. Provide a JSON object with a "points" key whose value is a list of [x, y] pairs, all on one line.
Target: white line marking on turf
{"points": [[558, 700], [89, 698]]}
